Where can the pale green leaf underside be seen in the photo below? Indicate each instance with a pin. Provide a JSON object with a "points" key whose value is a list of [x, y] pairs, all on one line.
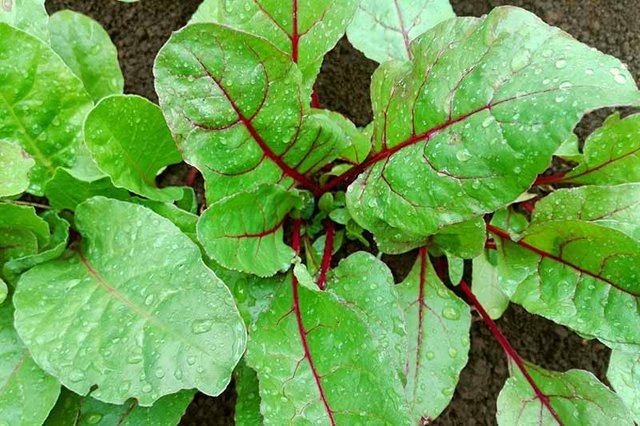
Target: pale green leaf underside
{"points": [[130, 141], [4, 291], [306, 38], [454, 128], [159, 320], [233, 103], [15, 165], [42, 104], [624, 376], [615, 207], [486, 286], [27, 393], [75, 410], [438, 325], [244, 232], [577, 397], [358, 385], [247, 409], [588, 280], [28, 15], [87, 49], [611, 153], [384, 29]]}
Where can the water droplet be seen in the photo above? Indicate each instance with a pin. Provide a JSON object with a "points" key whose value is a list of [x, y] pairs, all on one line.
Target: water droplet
{"points": [[487, 121], [149, 299], [588, 71], [201, 326], [147, 388], [159, 373], [76, 376], [134, 359], [430, 355], [191, 360], [94, 418], [453, 353], [451, 313], [521, 59], [566, 85], [561, 63], [463, 155]]}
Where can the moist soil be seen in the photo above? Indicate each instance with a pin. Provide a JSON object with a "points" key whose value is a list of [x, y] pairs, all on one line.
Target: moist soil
{"points": [[140, 29]]}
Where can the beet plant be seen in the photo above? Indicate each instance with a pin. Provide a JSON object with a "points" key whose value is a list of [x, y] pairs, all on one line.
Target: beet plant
{"points": [[122, 298]]}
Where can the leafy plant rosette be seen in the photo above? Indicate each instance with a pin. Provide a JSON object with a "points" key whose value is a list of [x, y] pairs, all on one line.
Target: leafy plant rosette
{"points": [[120, 299]]}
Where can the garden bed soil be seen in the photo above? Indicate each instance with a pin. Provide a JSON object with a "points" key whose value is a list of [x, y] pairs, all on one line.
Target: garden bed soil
{"points": [[140, 29]]}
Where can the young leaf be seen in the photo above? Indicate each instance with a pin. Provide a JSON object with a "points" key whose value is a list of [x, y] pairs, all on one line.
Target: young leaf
{"points": [[247, 410], [87, 49], [53, 249], [624, 376], [465, 239], [28, 15], [27, 393], [42, 104], [244, 232], [67, 189], [319, 362], [570, 149], [611, 153], [384, 29], [486, 285], [365, 285], [130, 141], [233, 102], [159, 320], [577, 397], [438, 325], [615, 207], [15, 165], [22, 233], [579, 274], [304, 29], [75, 410], [453, 128]]}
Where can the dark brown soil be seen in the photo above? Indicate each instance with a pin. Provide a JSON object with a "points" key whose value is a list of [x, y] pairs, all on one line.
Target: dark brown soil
{"points": [[139, 30]]}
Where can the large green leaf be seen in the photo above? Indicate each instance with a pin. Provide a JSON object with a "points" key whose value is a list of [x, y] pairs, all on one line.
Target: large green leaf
{"points": [[486, 285], [576, 396], [319, 362], [384, 29], [27, 393], [42, 103], [438, 325], [28, 15], [247, 409], [55, 246], [67, 189], [87, 49], [611, 153], [15, 165], [233, 102], [137, 312], [243, 232], [75, 410], [304, 29], [611, 206], [130, 141], [624, 376], [579, 274], [365, 285], [466, 127]]}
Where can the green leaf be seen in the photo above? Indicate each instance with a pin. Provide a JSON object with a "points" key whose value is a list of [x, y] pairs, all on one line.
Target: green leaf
{"points": [[243, 232], [67, 189], [611, 153], [438, 325], [233, 103], [87, 49], [365, 285], [454, 128], [15, 165], [486, 285], [358, 141], [53, 249], [22, 233], [615, 207], [578, 274], [42, 104], [184, 220], [27, 393], [465, 239], [570, 149], [159, 320], [577, 397], [130, 141], [28, 15], [384, 29], [75, 410], [247, 410], [4, 291], [303, 29], [318, 361], [624, 376]]}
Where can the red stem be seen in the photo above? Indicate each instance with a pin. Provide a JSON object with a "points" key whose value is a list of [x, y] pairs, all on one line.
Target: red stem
{"points": [[295, 37], [528, 206], [191, 179], [548, 180], [301, 330], [315, 98], [326, 256], [509, 350]]}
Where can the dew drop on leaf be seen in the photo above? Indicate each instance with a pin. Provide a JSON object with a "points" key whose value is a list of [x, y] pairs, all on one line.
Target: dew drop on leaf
{"points": [[451, 313]]}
